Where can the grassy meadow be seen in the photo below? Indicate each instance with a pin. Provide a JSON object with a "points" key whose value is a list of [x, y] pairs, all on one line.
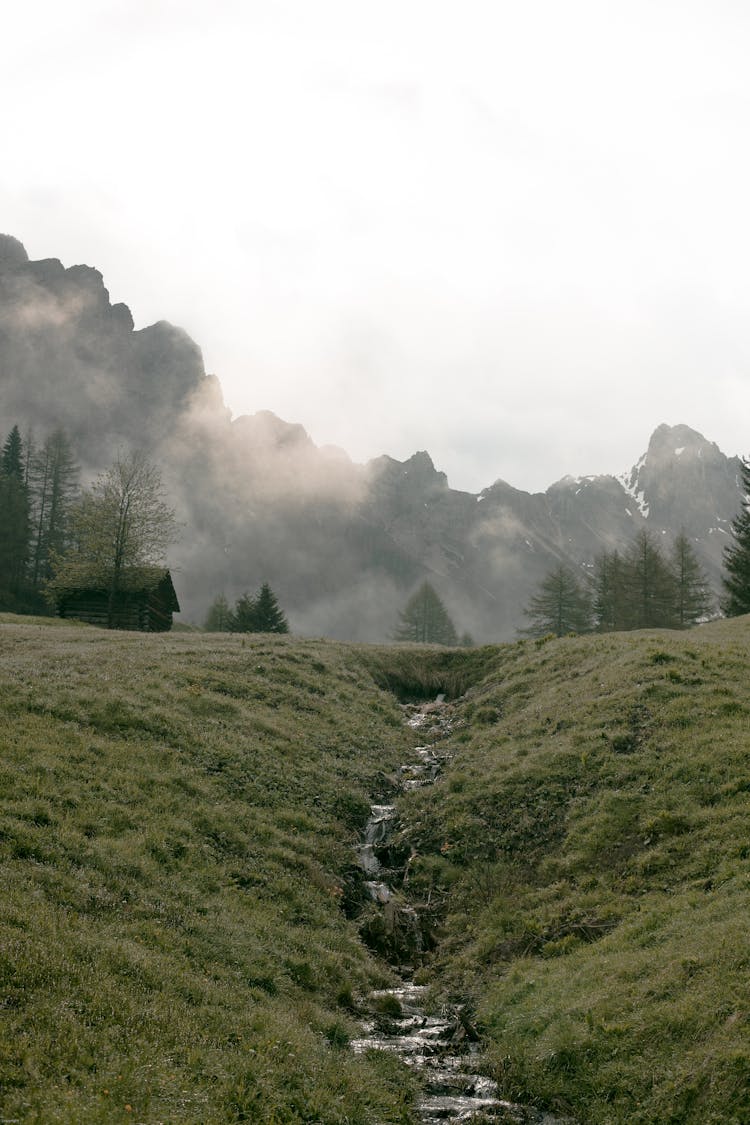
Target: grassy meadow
{"points": [[178, 816], [590, 844]]}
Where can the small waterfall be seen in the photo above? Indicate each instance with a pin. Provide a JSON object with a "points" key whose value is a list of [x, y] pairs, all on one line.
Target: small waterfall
{"points": [[443, 1049]]}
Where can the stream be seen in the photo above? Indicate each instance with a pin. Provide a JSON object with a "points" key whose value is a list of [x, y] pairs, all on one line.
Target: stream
{"points": [[443, 1049]]}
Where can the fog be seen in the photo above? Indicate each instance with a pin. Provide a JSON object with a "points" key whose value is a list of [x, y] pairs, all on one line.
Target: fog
{"points": [[342, 543], [512, 234]]}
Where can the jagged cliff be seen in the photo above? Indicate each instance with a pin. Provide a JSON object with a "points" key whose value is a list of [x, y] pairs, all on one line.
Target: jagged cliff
{"points": [[342, 544]]}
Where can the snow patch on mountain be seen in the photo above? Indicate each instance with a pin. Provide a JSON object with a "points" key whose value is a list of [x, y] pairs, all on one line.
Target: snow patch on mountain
{"points": [[630, 481]]}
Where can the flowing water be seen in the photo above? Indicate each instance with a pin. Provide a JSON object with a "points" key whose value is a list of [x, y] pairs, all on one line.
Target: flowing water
{"points": [[443, 1048]]}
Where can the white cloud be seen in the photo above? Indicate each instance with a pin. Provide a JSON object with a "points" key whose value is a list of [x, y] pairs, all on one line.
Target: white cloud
{"points": [[514, 234]]}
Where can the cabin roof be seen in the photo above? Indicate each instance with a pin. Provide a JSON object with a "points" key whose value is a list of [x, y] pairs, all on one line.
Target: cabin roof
{"points": [[133, 580]]}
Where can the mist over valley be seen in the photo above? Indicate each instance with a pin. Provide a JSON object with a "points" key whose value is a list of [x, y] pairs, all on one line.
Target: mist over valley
{"points": [[343, 544]]}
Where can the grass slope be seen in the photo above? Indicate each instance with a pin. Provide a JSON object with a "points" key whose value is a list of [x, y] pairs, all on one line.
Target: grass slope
{"points": [[177, 820], [590, 845], [177, 816]]}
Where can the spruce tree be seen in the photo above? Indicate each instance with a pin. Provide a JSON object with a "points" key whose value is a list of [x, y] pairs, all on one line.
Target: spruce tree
{"points": [[425, 619], [14, 520], [53, 474], [611, 597], [692, 597], [651, 585], [561, 605], [736, 579], [12, 459], [269, 616], [261, 614], [242, 619], [219, 616]]}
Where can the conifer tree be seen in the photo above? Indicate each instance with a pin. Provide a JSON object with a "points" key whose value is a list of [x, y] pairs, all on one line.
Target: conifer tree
{"points": [[261, 614], [651, 585], [561, 605], [736, 579], [219, 616], [269, 616], [53, 474], [692, 597], [12, 461], [611, 596], [425, 619], [14, 519], [242, 619]]}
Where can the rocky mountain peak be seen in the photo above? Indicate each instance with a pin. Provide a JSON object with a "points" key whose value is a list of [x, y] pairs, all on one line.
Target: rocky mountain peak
{"points": [[12, 252], [671, 442], [683, 481]]}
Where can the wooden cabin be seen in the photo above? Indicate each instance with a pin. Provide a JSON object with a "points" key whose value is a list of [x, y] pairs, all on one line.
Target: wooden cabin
{"points": [[145, 601]]}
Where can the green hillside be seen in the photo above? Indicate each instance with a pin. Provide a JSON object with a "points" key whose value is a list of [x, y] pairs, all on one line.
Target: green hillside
{"points": [[177, 814], [177, 827], [590, 843]]}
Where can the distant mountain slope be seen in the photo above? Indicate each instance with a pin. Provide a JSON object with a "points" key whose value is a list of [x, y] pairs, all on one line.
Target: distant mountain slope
{"points": [[342, 544], [69, 357]]}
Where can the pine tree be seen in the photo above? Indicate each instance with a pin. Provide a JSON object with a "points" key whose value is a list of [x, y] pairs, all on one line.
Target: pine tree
{"points": [[736, 579], [12, 461], [53, 474], [14, 520], [692, 597], [425, 619], [560, 606], [651, 585], [611, 597], [269, 616], [242, 619], [219, 616], [261, 614]]}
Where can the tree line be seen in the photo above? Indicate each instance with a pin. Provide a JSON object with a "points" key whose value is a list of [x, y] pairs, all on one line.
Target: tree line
{"points": [[260, 613], [39, 485], [640, 588], [56, 535]]}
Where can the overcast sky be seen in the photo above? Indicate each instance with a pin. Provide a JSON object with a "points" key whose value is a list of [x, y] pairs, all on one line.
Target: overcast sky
{"points": [[515, 234]]}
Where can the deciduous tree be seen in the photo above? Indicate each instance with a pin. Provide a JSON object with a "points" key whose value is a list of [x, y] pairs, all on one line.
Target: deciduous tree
{"points": [[120, 524]]}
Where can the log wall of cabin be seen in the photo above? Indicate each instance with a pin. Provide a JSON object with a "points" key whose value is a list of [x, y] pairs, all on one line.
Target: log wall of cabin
{"points": [[143, 612]]}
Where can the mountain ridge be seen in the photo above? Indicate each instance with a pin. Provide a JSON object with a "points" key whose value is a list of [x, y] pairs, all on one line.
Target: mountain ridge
{"points": [[342, 543]]}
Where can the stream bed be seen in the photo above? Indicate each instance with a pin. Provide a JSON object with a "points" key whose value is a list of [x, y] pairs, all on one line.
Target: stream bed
{"points": [[443, 1049]]}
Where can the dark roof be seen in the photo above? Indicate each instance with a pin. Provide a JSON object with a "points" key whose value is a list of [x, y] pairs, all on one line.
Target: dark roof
{"points": [[134, 580]]}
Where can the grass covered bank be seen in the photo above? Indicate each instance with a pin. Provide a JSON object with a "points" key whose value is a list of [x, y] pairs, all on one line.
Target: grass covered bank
{"points": [[590, 846], [177, 817]]}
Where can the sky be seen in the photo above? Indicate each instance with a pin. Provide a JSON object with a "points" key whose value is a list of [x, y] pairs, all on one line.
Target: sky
{"points": [[514, 234]]}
